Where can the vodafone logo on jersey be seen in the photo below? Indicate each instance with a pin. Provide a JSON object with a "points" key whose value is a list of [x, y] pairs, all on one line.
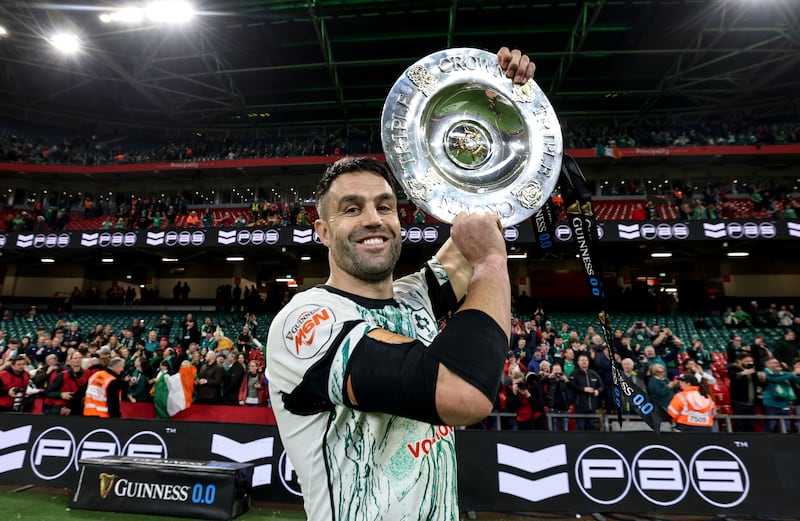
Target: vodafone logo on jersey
{"points": [[308, 329]]}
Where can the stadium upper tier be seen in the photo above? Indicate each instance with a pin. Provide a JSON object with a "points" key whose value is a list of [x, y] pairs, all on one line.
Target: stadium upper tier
{"points": [[24, 144], [613, 209]]}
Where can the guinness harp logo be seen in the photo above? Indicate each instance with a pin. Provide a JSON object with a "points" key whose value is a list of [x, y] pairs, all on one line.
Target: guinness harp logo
{"points": [[106, 483]]}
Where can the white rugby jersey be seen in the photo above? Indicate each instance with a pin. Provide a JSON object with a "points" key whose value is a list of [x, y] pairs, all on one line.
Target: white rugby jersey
{"points": [[354, 465]]}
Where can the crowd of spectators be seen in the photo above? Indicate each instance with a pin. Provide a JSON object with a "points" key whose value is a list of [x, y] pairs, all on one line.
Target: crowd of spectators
{"points": [[28, 146], [729, 133], [86, 150], [554, 368], [229, 368], [550, 368], [713, 201]]}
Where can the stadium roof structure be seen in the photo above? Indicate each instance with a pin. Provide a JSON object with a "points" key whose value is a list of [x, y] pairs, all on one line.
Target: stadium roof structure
{"points": [[281, 64]]}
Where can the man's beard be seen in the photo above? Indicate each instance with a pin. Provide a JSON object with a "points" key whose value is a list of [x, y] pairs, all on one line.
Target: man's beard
{"points": [[365, 267]]}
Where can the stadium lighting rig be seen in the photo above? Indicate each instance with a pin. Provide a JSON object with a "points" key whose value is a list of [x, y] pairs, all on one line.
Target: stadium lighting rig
{"points": [[3, 31], [167, 11], [65, 43]]}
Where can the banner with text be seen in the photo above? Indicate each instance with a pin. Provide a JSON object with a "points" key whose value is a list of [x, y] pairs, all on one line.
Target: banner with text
{"points": [[526, 471]]}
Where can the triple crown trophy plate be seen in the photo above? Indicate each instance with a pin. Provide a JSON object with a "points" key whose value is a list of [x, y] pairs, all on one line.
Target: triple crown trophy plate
{"points": [[460, 136]]}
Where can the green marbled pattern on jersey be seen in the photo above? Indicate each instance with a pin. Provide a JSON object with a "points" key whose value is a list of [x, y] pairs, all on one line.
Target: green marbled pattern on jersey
{"points": [[390, 468]]}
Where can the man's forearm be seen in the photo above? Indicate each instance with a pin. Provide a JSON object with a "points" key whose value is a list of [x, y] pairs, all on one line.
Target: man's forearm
{"points": [[490, 290]]}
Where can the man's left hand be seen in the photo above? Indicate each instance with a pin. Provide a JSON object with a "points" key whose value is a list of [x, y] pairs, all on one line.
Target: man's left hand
{"points": [[516, 65]]}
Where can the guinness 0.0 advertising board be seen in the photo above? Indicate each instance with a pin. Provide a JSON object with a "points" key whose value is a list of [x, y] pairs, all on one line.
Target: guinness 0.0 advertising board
{"points": [[184, 488], [526, 471]]}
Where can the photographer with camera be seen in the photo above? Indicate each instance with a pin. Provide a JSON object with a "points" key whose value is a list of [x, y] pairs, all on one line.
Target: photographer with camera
{"points": [[744, 389], [527, 400], [13, 384], [640, 336], [557, 396], [667, 346]]}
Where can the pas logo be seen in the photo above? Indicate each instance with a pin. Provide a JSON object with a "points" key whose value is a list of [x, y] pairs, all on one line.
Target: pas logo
{"points": [[308, 329], [246, 453], [302, 235], [14, 459], [546, 466]]}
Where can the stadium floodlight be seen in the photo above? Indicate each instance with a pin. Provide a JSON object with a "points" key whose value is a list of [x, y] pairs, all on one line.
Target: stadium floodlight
{"points": [[128, 14], [3, 31], [169, 11], [518, 255], [47, 260], [168, 259], [66, 43], [661, 255], [234, 259], [305, 258], [738, 254], [107, 260]]}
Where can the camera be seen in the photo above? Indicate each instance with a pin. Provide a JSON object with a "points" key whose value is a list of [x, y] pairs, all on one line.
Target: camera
{"points": [[530, 381], [748, 366], [18, 395]]}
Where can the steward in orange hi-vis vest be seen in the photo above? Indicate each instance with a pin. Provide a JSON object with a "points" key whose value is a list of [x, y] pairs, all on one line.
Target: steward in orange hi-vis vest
{"points": [[104, 391], [692, 409]]}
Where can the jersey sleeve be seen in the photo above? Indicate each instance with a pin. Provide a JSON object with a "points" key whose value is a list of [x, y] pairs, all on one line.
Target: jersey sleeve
{"points": [[308, 348], [433, 280]]}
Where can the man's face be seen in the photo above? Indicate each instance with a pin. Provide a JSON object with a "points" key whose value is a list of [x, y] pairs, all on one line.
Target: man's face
{"points": [[76, 359], [361, 228], [773, 364], [583, 363], [18, 367]]}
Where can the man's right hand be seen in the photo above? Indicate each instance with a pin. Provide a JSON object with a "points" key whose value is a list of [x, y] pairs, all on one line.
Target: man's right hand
{"points": [[478, 236]]}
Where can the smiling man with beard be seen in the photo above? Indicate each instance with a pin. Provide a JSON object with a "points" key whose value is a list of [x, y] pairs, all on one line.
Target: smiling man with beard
{"points": [[366, 390]]}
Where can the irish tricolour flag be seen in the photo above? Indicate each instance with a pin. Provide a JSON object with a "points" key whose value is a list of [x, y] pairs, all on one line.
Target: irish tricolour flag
{"points": [[608, 151]]}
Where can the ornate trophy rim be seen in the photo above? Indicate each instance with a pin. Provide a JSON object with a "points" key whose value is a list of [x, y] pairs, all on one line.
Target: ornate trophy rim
{"points": [[460, 136]]}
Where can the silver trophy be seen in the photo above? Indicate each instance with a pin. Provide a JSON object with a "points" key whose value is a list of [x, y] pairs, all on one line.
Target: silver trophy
{"points": [[460, 136]]}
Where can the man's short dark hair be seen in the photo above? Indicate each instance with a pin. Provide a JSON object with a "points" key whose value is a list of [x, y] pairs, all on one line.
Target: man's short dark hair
{"points": [[348, 165]]}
